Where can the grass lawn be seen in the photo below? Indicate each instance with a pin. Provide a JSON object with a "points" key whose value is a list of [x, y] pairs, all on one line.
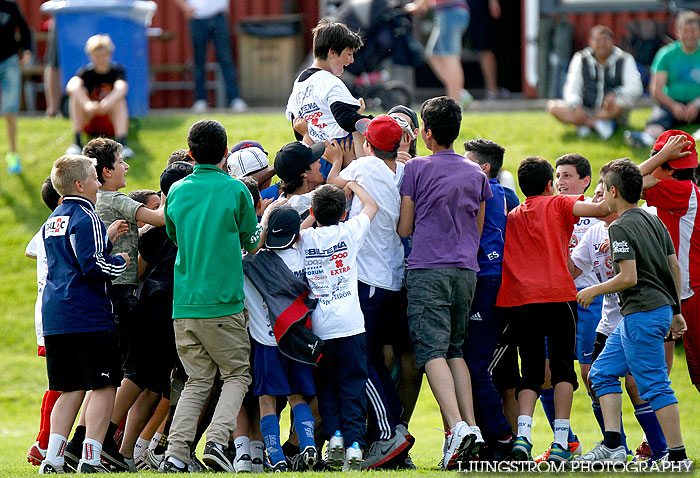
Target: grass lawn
{"points": [[42, 140]]}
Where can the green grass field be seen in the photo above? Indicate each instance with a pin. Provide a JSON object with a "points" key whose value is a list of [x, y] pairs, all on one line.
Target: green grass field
{"points": [[42, 140]]}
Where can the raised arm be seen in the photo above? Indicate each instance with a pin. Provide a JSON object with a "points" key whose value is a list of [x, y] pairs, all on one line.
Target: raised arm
{"points": [[370, 205], [590, 209], [671, 150]]}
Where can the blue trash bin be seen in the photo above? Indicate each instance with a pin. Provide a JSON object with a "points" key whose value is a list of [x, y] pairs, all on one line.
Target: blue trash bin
{"points": [[125, 21]]}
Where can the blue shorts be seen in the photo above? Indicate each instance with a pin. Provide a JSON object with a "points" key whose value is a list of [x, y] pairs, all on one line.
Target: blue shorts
{"points": [[448, 29], [585, 329], [10, 84], [275, 374], [637, 347]]}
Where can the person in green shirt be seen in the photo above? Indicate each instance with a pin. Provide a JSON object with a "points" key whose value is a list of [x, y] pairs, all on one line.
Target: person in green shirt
{"points": [[675, 83], [210, 216]]}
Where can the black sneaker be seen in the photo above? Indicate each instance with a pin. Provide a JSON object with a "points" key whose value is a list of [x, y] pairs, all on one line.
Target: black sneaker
{"points": [[85, 467], [110, 454], [279, 467], [47, 468], [73, 452], [167, 466], [216, 459]]}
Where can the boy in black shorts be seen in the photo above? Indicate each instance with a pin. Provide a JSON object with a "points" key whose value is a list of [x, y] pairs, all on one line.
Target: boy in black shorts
{"points": [[81, 348]]}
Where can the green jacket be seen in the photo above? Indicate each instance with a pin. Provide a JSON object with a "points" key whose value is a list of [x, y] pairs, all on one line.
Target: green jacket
{"points": [[210, 216]]}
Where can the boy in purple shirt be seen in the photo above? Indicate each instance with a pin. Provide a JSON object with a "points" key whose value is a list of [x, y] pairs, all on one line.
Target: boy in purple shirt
{"points": [[442, 205]]}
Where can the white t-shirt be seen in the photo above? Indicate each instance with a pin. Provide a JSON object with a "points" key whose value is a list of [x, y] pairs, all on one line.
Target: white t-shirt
{"points": [[587, 257], [207, 8], [259, 317], [331, 269], [36, 249], [380, 260], [587, 278], [312, 98]]}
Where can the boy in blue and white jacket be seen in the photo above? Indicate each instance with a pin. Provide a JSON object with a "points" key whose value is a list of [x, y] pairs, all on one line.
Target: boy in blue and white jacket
{"points": [[81, 348]]}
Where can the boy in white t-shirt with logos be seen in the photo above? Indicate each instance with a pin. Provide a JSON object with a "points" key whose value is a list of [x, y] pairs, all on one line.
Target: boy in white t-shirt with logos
{"points": [[330, 252], [380, 265], [318, 95]]}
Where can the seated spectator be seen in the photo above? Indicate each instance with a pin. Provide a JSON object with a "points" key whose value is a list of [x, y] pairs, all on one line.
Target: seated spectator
{"points": [[601, 86], [674, 83], [97, 94]]}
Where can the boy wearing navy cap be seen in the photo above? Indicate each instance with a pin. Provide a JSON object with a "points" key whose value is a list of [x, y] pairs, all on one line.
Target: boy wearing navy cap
{"points": [[299, 169], [380, 275]]}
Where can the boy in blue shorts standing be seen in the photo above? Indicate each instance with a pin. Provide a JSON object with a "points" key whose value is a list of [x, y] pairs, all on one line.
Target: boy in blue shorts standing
{"points": [[81, 346], [648, 283]]}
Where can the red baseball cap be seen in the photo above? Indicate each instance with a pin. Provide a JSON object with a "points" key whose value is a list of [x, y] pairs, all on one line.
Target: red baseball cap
{"points": [[686, 162], [383, 132]]}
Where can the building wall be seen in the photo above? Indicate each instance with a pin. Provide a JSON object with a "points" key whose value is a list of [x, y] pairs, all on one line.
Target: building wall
{"points": [[178, 50]]}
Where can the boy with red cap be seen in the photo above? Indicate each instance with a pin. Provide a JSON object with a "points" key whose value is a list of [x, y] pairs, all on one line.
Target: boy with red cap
{"points": [[380, 275], [668, 184]]}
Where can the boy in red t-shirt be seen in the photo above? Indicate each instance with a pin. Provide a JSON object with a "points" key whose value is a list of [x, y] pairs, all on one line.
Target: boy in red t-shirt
{"points": [[540, 298], [668, 185]]}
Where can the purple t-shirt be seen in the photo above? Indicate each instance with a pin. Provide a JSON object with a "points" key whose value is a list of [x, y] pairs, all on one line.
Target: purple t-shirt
{"points": [[446, 189]]}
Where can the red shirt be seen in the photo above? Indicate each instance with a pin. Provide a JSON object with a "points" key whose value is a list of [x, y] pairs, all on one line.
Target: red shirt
{"points": [[677, 207], [537, 250]]}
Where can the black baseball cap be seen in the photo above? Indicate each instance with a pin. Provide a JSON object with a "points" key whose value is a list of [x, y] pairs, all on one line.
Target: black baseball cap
{"points": [[294, 159], [247, 143], [408, 112], [173, 173], [282, 227]]}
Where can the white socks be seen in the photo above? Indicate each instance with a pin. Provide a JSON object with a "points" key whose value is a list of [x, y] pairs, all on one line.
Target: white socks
{"points": [[256, 449], [55, 449], [154, 441], [242, 445], [525, 427], [561, 432], [140, 448], [92, 449]]}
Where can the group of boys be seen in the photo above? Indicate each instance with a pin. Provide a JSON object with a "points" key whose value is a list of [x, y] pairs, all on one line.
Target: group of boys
{"points": [[297, 299]]}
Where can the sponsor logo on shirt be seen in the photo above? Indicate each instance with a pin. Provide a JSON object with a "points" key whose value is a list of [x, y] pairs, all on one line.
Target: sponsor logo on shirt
{"points": [[620, 247], [56, 226]]}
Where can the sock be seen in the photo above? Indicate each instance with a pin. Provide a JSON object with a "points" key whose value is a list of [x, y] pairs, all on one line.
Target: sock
{"points": [[55, 449], [547, 401], [561, 432], [477, 431], [92, 449], [525, 427], [140, 447], [677, 454], [176, 462], [111, 430], [242, 446], [270, 428], [78, 140], [121, 140], [304, 423], [650, 424], [623, 437], [79, 434], [154, 441], [612, 439], [648, 140], [219, 446], [256, 449], [598, 414], [47, 404], [131, 463]]}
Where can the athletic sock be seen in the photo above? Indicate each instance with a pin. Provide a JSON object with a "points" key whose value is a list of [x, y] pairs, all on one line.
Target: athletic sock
{"points": [[140, 447], [270, 428], [547, 400], [92, 449], [176, 462], [154, 441], [623, 437], [256, 449], [612, 439], [78, 141], [525, 427], [47, 403], [304, 423], [111, 430], [477, 431], [598, 414], [55, 449], [561, 432], [121, 140], [242, 446], [79, 434], [677, 453], [650, 424]]}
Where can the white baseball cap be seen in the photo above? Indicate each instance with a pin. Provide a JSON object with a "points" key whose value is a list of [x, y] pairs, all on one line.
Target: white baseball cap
{"points": [[246, 161]]}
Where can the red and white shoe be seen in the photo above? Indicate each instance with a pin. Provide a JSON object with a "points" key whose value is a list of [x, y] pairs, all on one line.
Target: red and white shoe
{"points": [[36, 455]]}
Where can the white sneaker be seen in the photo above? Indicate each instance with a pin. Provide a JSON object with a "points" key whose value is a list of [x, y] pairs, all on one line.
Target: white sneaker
{"points": [[604, 128], [239, 106], [243, 464], [353, 458], [336, 450], [461, 438], [47, 468], [199, 106], [74, 149], [685, 465], [583, 131], [603, 454], [127, 152], [465, 98]]}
